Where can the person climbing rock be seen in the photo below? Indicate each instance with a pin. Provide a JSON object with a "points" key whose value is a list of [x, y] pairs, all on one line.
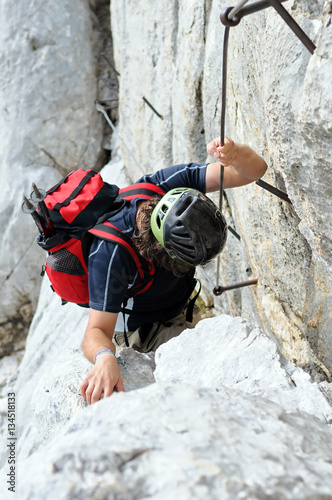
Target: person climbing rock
{"points": [[174, 233]]}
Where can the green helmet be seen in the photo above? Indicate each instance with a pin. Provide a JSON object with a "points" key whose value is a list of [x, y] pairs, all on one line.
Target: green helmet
{"points": [[189, 226]]}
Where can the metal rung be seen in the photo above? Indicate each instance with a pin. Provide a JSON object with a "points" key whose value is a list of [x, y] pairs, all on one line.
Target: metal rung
{"points": [[273, 190]]}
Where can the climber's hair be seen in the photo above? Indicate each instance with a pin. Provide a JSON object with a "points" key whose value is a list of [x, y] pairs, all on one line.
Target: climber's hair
{"points": [[148, 245]]}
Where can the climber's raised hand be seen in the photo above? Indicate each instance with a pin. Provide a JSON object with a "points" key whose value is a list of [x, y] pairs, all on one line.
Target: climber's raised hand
{"points": [[226, 154]]}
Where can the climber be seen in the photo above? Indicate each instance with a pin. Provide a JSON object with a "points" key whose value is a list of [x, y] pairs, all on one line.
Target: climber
{"points": [[161, 312]]}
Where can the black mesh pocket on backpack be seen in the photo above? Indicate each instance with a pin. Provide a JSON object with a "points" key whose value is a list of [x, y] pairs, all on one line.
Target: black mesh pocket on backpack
{"points": [[63, 261]]}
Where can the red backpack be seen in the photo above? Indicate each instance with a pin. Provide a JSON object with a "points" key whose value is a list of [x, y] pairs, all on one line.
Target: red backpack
{"points": [[67, 216]]}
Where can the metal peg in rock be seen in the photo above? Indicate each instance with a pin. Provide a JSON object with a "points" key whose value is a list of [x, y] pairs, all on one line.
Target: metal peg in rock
{"points": [[218, 290]]}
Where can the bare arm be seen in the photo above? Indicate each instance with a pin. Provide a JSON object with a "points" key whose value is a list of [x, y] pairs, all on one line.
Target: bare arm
{"points": [[105, 375], [242, 165]]}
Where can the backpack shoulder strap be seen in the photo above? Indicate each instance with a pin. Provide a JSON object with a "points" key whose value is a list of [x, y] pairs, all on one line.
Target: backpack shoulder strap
{"points": [[143, 190], [107, 231]]}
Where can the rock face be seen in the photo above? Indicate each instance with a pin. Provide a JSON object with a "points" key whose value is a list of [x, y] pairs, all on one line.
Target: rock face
{"points": [[169, 441], [224, 414], [227, 417], [240, 356], [56, 334], [49, 126], [279, 102]]}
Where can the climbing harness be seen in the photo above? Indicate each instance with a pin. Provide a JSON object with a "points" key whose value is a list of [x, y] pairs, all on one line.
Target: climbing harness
{"points": [[230, 17]]}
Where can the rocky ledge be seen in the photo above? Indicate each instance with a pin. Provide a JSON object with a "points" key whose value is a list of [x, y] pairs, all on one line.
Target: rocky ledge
{"points": [[216, 413]]}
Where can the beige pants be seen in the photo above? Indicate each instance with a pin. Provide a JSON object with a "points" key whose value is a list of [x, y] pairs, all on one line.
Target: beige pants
{"points": [[159, 333]]}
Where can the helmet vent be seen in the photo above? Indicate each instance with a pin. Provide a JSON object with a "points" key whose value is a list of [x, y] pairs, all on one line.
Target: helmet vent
{"points": [[187, 247], [161, 214], [186, 203], [189, 226]]}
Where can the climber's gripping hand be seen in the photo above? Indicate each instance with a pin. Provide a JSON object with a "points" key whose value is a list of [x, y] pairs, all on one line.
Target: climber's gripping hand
{"points": [[226, 154], [98, 347], [103, 379]]}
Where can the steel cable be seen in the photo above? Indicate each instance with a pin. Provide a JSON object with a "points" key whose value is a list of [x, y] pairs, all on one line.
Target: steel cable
{"points": [[218, 290], [222, 131], [236, 9], [223, 110]]}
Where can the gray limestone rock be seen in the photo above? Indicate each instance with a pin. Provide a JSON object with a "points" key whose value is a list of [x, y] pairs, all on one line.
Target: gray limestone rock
{"points": [[174, 441], [279, 102], [170, 53], [49, 126], [235, 353], [53, 366], [56, 397], [227, 418]]}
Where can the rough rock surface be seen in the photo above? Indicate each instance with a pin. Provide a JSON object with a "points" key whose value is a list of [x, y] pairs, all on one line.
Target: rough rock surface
{"points": [[56, 397], [49, 126], [175, 441], [228, 417], [279, 102], [51, 351], [193, 433], [8, 375], [53, 367], [239, 355]]}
